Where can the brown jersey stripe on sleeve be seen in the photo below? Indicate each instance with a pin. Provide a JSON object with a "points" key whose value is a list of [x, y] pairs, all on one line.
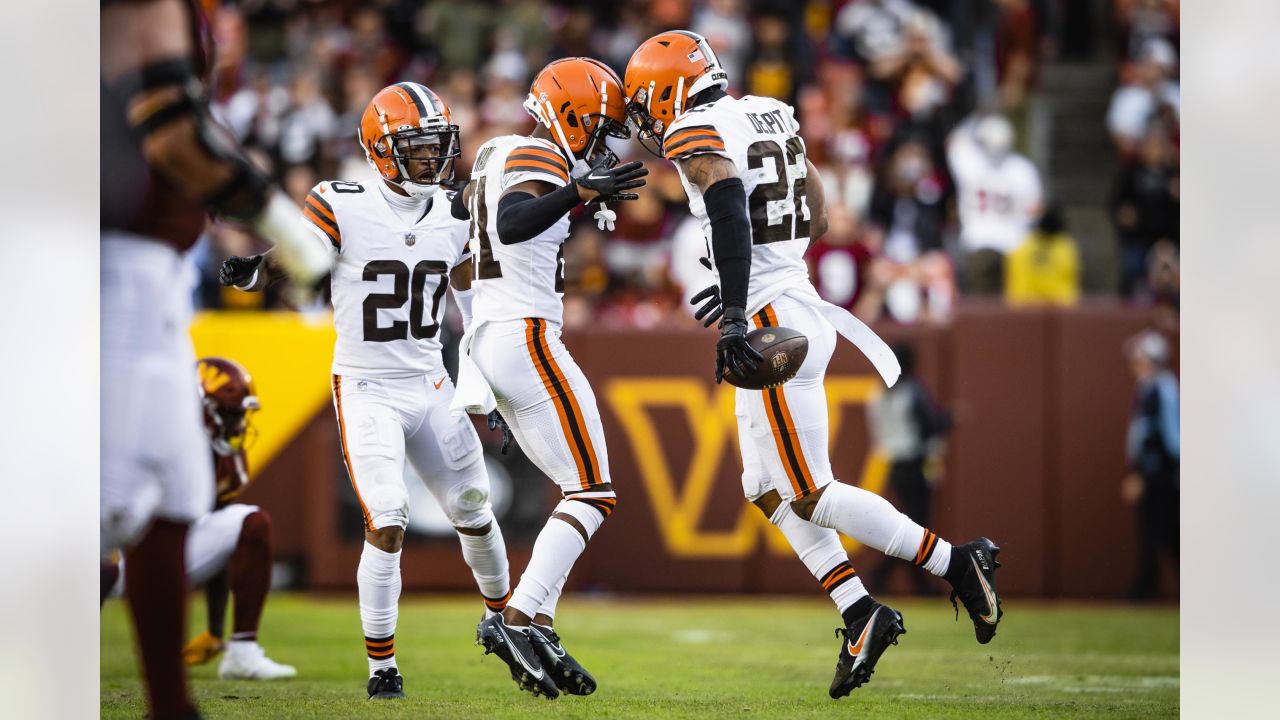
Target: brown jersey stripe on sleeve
{"points": [[541, 152], [313, 195], [687, 132], [674, 144]]}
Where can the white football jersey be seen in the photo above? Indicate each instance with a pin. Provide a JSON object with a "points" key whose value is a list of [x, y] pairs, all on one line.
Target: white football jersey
{"points": [[997, 198], [762, 138], [524, 280], [389, 281]]}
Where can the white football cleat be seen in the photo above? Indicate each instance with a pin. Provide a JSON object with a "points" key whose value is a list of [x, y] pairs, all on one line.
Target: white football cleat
{"points": [[248, 661]]}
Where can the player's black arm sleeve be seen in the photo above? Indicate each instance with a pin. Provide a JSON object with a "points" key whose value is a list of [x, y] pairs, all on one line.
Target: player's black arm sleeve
{"points": [[726, 203], [458, 207], [521, 216]]}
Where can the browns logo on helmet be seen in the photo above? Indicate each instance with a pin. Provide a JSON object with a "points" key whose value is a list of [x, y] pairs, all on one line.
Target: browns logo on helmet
{"points": [[662, 74], [408, 136], [580, 102], [228, 395]]}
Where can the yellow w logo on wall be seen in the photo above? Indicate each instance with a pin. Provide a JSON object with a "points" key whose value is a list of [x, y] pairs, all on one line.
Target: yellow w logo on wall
{"points": [[679, 513]]}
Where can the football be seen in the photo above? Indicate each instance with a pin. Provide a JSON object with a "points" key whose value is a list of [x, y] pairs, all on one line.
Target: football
{"points": [[784, 351]]}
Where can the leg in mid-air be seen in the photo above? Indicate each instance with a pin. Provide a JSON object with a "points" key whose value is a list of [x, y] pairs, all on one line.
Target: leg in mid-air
{"points": [[552, 412], [870, 627], [788, 425]]}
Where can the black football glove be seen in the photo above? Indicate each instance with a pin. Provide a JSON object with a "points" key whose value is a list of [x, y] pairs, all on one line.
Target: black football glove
{"points": [[712, 310], [496, 422], [609, 183], [238, 271], [733, 354]]}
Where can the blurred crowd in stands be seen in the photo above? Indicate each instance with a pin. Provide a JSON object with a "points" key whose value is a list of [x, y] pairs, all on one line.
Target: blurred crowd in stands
{"points": [[918, 113]]}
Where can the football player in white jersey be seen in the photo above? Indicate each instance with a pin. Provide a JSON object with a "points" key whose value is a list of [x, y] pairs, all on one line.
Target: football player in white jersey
{"points": [[523, 188], [760, 201], [399, 246]]}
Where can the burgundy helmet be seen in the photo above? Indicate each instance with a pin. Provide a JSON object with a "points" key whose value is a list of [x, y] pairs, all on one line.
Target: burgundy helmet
{"points": [[228, 394]]}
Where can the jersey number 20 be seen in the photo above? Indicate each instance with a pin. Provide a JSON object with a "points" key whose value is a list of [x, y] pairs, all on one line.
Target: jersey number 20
{"points": [[408, 286], [792, 226]]}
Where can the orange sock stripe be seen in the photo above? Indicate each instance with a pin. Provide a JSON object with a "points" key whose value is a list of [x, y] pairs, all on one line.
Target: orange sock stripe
{"points": [[838, 579], [379, 645], [380, 654], [346, 457], [496, 604], [926, 547]]}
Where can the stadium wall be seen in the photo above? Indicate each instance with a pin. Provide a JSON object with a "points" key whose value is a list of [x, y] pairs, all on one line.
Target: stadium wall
{"points": [[1040, 398]]}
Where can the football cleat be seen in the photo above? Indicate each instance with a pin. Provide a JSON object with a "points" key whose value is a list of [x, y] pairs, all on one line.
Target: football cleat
{"points": [[568, 675], [386, 684], [976, 588], [865, 641], [202, 648], [516, 650], [250, 662]]}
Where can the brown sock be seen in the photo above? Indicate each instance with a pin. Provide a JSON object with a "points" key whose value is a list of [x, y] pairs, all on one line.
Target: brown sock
{"points": [[251, 575], [157, 586]]}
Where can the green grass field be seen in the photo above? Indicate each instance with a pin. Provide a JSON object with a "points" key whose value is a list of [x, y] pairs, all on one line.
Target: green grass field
{"points": [[697, 658]]}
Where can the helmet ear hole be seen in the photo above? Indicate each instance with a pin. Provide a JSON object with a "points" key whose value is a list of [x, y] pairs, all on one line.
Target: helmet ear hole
{"points": [[666, 94], [572, 119]]}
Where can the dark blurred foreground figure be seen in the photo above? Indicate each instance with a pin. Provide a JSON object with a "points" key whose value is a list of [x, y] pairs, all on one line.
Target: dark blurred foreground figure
{"points": [[164, 163], [1153, 450], [910, 430]]}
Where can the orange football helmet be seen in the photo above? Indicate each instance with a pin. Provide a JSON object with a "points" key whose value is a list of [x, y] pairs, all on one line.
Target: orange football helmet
{"points": [[228, 396], [407, 123], [662, 74], [580, 101]]}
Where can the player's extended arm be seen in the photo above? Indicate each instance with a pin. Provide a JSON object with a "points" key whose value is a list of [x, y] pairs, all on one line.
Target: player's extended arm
{"points": [[528, 208], [250, 274], [816, 198], [726, 203], [146, 59]]}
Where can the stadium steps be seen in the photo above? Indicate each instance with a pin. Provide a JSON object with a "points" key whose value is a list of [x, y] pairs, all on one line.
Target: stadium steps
{"points": [[1081, 164]]}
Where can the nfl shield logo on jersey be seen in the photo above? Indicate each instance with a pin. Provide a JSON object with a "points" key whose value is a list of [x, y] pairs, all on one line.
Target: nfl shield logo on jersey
{"points": [[410, 239]]}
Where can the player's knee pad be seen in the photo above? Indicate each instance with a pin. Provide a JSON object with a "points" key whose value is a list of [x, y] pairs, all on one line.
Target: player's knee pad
{"points": [[468, 506]]}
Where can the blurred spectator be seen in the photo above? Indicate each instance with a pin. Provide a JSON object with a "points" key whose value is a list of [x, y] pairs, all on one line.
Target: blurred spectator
{"points": [[1144, 208], [1164, 279], [910, 430], [1150, 96], [1045, 268], [1153, 450], [769, 71], [723, 23], [307, 123], [1140, 21], [1017, 62], [888, 38], [999, 196], [838, 263], [908, 212]]}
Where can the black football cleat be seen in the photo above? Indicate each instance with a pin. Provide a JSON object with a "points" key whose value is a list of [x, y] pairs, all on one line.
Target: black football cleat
{"points": [[386, 684], [568, 675], [976, 587], [516, 650], [865, 640]]}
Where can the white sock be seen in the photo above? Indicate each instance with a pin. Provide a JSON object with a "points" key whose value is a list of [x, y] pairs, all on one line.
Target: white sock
{"points": [[379, 580], [242, 648], [548, 607], [820, 550], [554, 553], [486, 555], [873, 521]]}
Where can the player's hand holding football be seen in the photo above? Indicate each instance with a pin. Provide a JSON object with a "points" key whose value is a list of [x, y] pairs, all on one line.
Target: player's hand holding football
{"points": [[733, 354], [606, 184], [239, 271]]}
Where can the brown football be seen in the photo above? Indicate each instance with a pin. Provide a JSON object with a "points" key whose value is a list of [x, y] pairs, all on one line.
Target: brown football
{"points": [[784, 351]]}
